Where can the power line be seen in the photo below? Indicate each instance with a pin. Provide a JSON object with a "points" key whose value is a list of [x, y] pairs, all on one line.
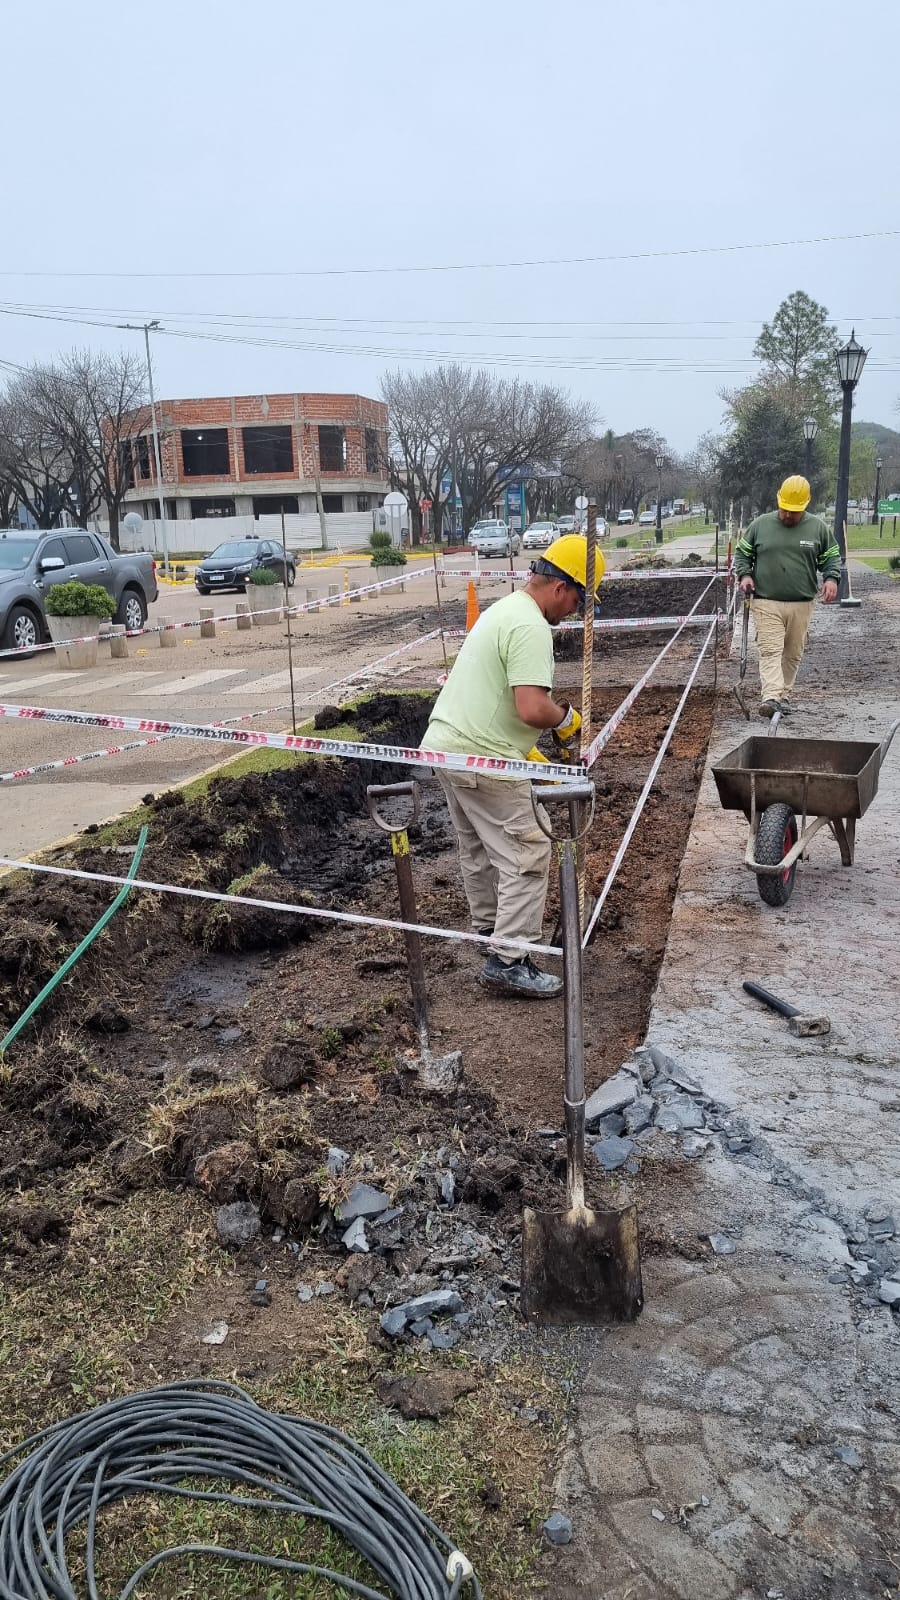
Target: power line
{"points": [[477, 266]]}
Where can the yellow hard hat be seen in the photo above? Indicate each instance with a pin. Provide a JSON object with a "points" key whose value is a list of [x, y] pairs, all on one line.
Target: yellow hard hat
{"points": [[794, 494], [569, 556]]}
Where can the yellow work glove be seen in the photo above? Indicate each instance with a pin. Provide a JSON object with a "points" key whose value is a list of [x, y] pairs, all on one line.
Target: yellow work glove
{"points": [[538, 755], [565, 734]]}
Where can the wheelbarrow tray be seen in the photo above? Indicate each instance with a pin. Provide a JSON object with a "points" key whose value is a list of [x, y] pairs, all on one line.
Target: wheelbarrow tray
{"points": [[817, 777]]}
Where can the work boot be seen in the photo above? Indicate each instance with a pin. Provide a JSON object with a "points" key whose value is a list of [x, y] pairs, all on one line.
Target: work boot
{"points": [[784, 708], [519, 978], [769, 708]]}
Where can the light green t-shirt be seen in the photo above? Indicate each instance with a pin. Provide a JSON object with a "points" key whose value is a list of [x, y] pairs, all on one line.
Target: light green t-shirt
{"points": [[510, 645]]}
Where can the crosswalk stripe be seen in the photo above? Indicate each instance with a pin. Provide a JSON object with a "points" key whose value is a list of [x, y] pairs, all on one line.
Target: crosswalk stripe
{"points": [[275, 683], [194, 680], [60, 678]]}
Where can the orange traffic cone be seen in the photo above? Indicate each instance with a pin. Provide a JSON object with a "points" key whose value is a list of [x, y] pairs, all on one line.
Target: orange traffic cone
{"points": [[473, 609]]}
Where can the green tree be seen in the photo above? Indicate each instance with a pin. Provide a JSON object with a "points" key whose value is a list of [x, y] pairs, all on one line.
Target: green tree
{"points": [[765, 447], [797, 353]]}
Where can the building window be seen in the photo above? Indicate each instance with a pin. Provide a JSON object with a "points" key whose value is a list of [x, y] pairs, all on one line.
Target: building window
{"points": [[373, 452], [205, 452], [219, 507], [363, 502], [126, 464], [141, 451], [272, 505], [332, 502], [268, 450], [332, 449]]}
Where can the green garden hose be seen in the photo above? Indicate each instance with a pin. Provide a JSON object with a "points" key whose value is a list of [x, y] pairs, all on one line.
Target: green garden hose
{"points": [[78, 952]]}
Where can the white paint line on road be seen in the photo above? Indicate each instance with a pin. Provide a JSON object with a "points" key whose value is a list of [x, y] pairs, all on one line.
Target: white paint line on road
{"points": [[193, 680], [273, 684], [60, 678]]}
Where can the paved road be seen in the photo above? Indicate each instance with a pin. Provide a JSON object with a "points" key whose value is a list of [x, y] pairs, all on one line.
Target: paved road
{"points": [[197, 681]]}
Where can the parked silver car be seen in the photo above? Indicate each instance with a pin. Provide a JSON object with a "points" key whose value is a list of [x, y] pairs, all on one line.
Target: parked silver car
{"points": [[494, 538]]}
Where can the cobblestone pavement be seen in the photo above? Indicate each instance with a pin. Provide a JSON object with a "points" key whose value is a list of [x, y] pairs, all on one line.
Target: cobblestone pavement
{"points": [[742, 1441]]}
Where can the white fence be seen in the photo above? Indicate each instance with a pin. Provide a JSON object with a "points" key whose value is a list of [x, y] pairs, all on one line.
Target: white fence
{"points": [[347, 530]]}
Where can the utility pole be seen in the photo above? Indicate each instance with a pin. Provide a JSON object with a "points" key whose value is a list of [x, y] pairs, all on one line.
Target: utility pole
{"points": [[146, 326]]}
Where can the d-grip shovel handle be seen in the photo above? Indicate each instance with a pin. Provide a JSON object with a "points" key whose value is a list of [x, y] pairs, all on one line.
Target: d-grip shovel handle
{"points": [[384, 791], [581, 791]]}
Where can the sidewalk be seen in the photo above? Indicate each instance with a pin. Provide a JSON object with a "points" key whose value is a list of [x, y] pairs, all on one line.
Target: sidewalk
{"points": [[743, 1439]]}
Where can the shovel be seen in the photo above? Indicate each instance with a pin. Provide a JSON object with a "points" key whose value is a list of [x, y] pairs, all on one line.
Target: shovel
{"points": [[739, 692], [437, 1073], [578, 1266]]}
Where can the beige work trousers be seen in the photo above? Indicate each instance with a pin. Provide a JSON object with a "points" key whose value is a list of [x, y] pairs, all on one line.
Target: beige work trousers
{"points": [[782, 627], [504, 857]]}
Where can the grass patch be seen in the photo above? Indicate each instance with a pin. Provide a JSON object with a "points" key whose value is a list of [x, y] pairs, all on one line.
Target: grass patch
{"points": [[878, 564], [138, 1279], [866, 537]]}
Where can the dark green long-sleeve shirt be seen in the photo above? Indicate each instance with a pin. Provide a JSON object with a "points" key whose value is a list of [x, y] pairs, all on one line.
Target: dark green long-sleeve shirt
{"points": [[785, 562]]}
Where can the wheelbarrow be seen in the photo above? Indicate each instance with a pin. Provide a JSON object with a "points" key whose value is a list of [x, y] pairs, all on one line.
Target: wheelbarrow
{"points": [[789, 789]]}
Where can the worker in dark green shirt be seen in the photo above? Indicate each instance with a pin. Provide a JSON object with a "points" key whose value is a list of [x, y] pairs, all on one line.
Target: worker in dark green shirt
{"points": [[779, 560]]}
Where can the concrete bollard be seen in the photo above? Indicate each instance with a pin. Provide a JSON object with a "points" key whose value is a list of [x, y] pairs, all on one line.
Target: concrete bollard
{"points": [[244, 619], [333, 591], [312, 599], [169, 639], [118, 644], [207, 626]]}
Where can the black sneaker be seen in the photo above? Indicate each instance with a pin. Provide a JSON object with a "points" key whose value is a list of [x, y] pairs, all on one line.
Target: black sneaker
{"points": [[486, 933], [519, 978], [784, 708], [769, 708]]}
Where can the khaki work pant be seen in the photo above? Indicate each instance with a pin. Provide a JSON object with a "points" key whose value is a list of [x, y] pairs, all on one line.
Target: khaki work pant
{"points": [[782, 627], [504, 857]]}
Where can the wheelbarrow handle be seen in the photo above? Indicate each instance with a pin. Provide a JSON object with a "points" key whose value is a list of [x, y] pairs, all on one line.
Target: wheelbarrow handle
{"points": [[885, 745], [384, 791]]}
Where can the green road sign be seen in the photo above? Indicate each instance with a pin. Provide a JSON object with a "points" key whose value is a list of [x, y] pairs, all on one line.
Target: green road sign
{"points": [[889, 508]]}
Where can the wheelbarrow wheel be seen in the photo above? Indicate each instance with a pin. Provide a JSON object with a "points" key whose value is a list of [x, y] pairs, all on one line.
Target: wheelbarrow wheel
{"points": [[776, 836]]}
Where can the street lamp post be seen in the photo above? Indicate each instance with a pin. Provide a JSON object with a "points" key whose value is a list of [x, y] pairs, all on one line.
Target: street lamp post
{"points": [[878, 466], [660, 463], [810, 429], [850, 360]]}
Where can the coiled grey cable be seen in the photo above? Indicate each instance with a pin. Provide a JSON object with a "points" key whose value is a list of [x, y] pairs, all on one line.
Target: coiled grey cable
{"points": [[151, 1442]]}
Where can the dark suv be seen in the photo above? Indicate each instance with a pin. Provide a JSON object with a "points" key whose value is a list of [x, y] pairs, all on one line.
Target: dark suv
{"points": [[31, 561], [230, 565]]}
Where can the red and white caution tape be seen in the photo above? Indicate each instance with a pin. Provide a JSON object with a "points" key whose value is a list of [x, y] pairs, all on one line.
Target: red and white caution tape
{"points": [[619, 575], [278, 905], [612, 623], [642, 797], [228, 616], [589, 755], [402, 755]]}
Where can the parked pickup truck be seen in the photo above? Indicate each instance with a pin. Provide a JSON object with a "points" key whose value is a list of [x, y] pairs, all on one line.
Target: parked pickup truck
{"points": [[31, 561]]}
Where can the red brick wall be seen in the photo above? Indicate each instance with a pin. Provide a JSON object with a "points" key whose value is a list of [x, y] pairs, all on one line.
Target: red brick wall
{"points": [[353, 412]]}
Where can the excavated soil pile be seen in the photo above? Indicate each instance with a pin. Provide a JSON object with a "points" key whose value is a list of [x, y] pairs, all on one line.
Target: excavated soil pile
{"points": [[229, 1048]]}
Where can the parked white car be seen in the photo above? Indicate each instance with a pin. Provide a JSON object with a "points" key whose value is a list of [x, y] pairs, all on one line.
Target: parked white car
{"points": [[567, 524], [494, 538], [647, 519], [625, 518], [538, 535]]}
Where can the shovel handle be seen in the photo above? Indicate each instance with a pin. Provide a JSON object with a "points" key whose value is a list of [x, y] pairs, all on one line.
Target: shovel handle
{"points": [[573, 1006], [386, 791]]}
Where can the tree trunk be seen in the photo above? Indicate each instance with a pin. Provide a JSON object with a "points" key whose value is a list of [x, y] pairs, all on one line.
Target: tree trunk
{"points": [[112, 511]]}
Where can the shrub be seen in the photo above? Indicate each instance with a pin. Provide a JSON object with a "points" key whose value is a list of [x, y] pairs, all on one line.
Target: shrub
{"points": [[621, 544], [389, 557], [379, 539], [79, 600], [263, 577], [894, 563]]}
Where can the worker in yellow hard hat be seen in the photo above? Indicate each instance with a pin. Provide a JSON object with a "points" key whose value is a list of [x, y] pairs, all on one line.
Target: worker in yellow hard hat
{"points": [[779, 561], [495, 702]]}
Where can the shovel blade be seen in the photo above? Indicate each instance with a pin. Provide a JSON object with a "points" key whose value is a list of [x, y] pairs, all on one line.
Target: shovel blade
{"points": [[581, 1266]]}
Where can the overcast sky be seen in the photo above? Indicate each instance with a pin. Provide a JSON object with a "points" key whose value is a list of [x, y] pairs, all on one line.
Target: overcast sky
{"points": [[169, 156]]}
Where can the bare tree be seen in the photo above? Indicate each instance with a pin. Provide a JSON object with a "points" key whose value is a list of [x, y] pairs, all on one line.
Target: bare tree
{"points": [[33, 459], [418, 448], [96, 404]]}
